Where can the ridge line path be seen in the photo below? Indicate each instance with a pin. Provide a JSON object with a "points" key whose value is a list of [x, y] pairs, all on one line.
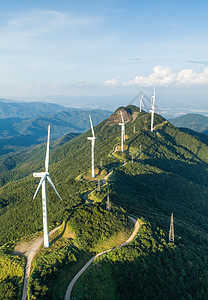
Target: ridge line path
{"points": [[30, 253], [71, 285], [136, 228]]}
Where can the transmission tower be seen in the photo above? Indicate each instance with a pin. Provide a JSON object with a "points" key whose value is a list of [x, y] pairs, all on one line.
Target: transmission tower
{"points": [[171, 233], [134, 129], [132, 158], [108, 206], [98, 185]]}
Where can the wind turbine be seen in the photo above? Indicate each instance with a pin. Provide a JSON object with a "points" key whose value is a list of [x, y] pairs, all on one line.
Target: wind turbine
{"points": [[152, 110], [43, 176], [122, 131], [92, 139], [141, 103]]}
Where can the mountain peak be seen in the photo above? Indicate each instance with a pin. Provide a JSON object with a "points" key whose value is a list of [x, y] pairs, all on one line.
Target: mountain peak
{"points": [[129, 113]]}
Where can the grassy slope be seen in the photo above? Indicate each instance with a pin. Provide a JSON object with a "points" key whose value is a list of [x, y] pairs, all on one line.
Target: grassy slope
{"points": [[83, 236]]}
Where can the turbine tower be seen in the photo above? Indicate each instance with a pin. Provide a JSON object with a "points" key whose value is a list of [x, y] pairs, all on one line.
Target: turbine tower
{"points": [[153, 110], [171, 232], [122, 131], [92, 139], [43, 176]]}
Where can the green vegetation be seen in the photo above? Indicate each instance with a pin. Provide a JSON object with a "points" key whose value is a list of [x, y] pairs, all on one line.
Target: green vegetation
{"points": [[169, 174], [148, 268], [195, 122], [11, 274], [88, 230]]}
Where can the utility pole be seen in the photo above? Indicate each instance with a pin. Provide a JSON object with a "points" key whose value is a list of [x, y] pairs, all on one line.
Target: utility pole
{"points": [[171, 233], [108, 206], [98, 185]]}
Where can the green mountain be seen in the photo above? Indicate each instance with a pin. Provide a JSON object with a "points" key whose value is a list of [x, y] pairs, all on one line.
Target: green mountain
{"points": [[169, 174], [195, 122], [19, 132]]}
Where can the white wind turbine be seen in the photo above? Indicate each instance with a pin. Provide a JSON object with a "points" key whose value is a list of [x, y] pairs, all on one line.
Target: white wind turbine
{"points": [[152, 110], [141, 103], [122, 131], [92, 139], [43, 176]]}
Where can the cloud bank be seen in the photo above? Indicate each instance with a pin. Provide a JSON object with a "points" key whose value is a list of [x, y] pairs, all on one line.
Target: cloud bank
{"points": [[164, 76]]}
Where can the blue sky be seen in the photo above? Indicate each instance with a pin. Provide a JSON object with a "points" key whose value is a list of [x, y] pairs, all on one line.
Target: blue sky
{"points": [[93, 48]]}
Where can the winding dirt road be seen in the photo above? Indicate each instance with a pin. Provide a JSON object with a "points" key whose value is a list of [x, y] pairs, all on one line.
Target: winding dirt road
{"points": [[70, 287], [30, 252]]}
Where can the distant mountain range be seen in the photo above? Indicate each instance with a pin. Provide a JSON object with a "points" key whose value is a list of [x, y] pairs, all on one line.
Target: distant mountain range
{"points": [[12, 109], [195, 122], [24, 124]]}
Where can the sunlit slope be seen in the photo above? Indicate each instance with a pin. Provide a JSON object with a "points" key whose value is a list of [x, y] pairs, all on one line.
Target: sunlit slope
{"points": [[195, 122], [170, 174]]}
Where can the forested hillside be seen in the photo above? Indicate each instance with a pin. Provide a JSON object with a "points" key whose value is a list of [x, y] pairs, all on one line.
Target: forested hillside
{"points": [[25, 110], [168, 175], [24, 124], [195, 122]]}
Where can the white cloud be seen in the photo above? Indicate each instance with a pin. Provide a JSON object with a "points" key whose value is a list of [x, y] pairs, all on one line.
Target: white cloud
{"points": [[164, 76], [111, 82]]}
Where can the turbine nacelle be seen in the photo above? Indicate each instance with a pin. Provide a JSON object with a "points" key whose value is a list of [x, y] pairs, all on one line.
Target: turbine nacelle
{"points": [[41, 174], [44, 175]]}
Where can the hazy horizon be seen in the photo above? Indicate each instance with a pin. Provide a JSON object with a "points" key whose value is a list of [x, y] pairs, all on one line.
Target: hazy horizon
{"points": [[56, 49]]}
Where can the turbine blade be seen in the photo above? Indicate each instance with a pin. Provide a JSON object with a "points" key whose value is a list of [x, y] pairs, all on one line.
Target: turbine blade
{"points": [[122, 117], [39, 185], [51, 183], [47, 150], [93, 134], [137, 96]]}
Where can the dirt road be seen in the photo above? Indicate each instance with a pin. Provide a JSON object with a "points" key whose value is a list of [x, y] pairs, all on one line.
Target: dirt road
{"points": [[70, 287], [29, 249]]}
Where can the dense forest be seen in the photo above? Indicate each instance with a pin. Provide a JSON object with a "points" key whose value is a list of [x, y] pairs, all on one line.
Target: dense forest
{"points": [[168, 175]]}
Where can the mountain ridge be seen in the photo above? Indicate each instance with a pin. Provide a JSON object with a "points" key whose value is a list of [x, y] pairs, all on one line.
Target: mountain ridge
{"points": [[168, 174]]}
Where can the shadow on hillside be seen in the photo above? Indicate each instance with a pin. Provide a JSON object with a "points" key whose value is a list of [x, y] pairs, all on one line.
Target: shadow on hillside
{"points": [[153, 272], [162, 194], [60, 235], [195, 172], [187, 147]]}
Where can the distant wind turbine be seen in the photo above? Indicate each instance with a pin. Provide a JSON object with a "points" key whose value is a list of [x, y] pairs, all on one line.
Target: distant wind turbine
{"points": [[43, 176], [92, 139], [141, 103], [142, 97], [122, 131], [152, 110]]}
